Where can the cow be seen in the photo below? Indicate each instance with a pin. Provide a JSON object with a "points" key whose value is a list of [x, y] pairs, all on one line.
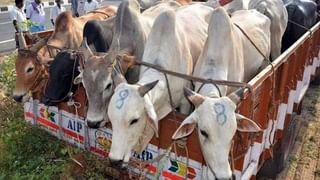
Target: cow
{"points": [[274, 9], [31, 72], [68, 32], [135, 109], [130, 31], [62, 72], [277, 13], [66, 35], [227, 55], [99, 34], [301, 13]]}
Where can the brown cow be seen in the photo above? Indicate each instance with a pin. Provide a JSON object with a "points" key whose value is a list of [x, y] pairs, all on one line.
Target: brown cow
{"points": [[30, 70], [67, 34], [68, 30]]}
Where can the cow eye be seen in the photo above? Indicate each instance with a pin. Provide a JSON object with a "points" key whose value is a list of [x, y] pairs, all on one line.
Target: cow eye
{"points": [[30, 69], [108, 86], [203, 133], [133, 121]]}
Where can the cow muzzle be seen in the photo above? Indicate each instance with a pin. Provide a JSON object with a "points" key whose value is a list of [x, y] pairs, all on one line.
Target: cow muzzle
{"points": [[96, 124], [119, 164], [21, 98], [18, 98], [233, 177]]}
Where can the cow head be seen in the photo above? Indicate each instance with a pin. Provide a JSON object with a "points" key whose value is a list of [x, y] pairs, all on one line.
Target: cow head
{"points": [[28, 65], [217, 123], [100, 75], [62, 70], [133, 119]]}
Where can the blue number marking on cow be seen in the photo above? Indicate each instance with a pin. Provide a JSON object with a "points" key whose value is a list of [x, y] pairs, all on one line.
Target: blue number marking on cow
{"points": [[122, 96], [220, 111]]}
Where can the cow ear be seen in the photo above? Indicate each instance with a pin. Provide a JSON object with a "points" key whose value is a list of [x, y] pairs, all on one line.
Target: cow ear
{"points": [[78, 79], [245, 124], [147, 87], [186, 127], [152, 115]]}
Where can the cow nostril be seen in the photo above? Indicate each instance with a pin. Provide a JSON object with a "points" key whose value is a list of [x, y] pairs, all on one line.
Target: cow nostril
{"points": [[94, 125], [17, 98]]}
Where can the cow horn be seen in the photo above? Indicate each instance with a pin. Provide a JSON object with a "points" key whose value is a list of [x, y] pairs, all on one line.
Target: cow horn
{"points": [[147, 87], [35, 48], [22, 41], [86, 46], [195, 98], [236, 96]]}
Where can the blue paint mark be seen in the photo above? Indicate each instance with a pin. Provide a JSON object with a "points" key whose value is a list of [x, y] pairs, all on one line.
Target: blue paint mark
{"points": [[221, 115], [122, 96]]}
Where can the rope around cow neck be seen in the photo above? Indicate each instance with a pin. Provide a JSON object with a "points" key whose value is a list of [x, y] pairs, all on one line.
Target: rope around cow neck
{"points": [[299, 25], [194, 78]]}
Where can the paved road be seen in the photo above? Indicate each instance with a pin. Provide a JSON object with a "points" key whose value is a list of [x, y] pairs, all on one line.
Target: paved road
{"points": [[7, 42]]}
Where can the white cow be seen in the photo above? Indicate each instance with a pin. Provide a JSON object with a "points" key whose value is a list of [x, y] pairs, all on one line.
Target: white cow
{"points": [[175, 43], [227, 55], [273, 9], [277, 13]]}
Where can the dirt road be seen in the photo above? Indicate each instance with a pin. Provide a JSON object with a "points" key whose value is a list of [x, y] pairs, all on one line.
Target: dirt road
{"points": [[305, 158]]}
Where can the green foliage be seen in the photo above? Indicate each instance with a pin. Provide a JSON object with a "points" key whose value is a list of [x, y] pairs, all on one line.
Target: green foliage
{"points": [[26, 25], [7, 73], [28, 152]]}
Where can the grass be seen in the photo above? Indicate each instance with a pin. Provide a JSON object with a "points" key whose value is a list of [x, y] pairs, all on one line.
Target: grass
{"points": [[28, 152], [7, 74]]}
